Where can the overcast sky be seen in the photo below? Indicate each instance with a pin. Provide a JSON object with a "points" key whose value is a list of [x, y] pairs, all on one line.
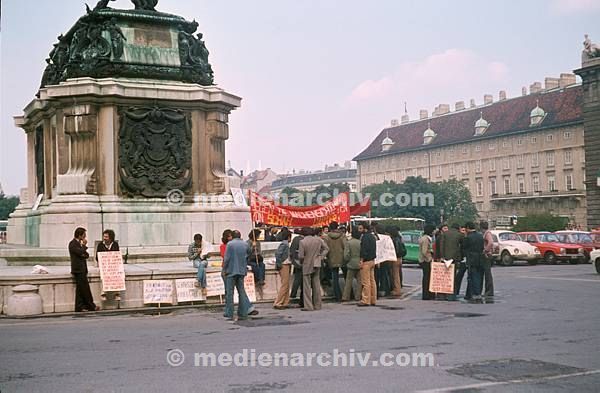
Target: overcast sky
{"points": [[320, 78]]}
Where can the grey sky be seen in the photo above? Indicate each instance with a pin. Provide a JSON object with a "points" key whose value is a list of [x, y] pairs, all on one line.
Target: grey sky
{"points": [[320, 78]]}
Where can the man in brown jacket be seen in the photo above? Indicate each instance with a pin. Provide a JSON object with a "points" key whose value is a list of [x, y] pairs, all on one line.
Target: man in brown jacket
{"points": [[311, 252]]}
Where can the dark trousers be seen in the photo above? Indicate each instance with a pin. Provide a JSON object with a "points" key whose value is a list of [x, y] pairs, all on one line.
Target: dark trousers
{"points": [[83, 293], [461, 269], [258, 268], [426, 266], [487, 277], [335, 281], [298, 285], [475, 280]]}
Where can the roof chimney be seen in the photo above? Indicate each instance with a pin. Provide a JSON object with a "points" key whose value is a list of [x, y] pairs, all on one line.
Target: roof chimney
{"points": [[551, 83], [502, 95], [488, 99], [459, 106], [394, 123], [404, 119], [472, 103], [535, 87], [423, 114], [566, 79], [443, 109], [524, 90]]}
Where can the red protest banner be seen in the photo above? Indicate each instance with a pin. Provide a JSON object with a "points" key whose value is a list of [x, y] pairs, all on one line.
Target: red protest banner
{"points": [[265, 211]]}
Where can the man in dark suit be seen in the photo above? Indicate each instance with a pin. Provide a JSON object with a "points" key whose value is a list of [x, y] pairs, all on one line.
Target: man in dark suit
{"points": [[79, 255], [473, 251], [451, 244]]}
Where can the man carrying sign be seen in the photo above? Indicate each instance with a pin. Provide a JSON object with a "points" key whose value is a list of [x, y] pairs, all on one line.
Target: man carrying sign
{"points": [[107, 244]]}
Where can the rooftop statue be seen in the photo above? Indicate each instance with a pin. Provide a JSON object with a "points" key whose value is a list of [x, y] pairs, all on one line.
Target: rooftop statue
{"points": [[590, 50], [145, 4]]}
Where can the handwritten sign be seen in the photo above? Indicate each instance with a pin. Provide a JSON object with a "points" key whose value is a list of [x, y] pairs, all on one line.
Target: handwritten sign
{"points": [[214, 285], [385, 250], [158, 291], [442, 278], [249, 287], [187, 291], [112, 272]]}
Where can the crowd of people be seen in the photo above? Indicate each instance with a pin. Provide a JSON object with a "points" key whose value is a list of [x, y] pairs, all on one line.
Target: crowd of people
{"points": [[309, 259]]}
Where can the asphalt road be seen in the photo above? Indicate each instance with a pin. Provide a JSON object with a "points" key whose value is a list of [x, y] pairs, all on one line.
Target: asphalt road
{"points": [[541, 334]]}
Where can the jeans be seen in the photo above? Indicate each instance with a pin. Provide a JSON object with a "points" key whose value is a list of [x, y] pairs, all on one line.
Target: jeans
{"points": [[258, 268], [335, 280], [232, 283], [201, 276], [475, 280]]}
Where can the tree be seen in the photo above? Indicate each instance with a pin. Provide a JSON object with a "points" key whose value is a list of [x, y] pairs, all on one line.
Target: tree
{"points": [[540, 222], [7, 205], [426, 200]]}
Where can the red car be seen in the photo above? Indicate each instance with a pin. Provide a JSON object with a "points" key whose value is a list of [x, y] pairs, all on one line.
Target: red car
{"points": [[552, 249], [589, 241]]}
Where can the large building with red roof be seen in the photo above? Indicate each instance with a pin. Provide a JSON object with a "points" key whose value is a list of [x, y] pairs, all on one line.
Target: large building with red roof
{"points": [[517, 155]]}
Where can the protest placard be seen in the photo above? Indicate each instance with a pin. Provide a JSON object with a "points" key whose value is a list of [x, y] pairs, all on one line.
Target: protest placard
{"points": [[112, 272], [385, 249], [441, 278], [187, 291], [158, 291], [214, 285]]}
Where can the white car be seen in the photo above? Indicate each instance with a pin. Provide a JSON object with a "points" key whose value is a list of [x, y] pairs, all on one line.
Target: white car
{"points": [[595, 258], [509, 247]]}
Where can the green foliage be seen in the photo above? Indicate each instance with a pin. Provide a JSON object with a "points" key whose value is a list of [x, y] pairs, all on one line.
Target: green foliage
{"points": [[7, 205], [540, 222], [451, 197]]}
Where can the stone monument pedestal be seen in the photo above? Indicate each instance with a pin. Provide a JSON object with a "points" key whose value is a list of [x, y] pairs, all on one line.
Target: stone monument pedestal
{"points": [[143, 158]]}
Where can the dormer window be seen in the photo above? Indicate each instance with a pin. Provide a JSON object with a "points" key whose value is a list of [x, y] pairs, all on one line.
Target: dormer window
{"points": [[429, 135], [537, 115], [481, 125], [387, 143]]}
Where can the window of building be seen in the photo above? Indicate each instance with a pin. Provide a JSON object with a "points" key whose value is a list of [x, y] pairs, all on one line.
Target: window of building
{"points": [[492, 145], [506, 163], [452, 170], [550, 158], [535, 160], [551, 183], [477, 148], [536, 183], [507, 185], [569, 181], [534, 140], [478, 166], [568, 157], [439, 171], [504, 143], [567, 135], [479, 188], [493, 190], [520, 161], [521, 184], [425, 158], [451, 149], [465, 150], [493, 164], [519, 141], [465, 168], [549, 138]]}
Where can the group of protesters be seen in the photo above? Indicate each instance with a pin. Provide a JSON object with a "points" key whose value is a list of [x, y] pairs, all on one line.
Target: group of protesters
{"points": [[308, 259], [469, 248]]}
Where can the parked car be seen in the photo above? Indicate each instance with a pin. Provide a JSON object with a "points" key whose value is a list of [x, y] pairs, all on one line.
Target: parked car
{"points": [[595, 257], [509, 247], [589, 241], [552, 249], [411, 242]]}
